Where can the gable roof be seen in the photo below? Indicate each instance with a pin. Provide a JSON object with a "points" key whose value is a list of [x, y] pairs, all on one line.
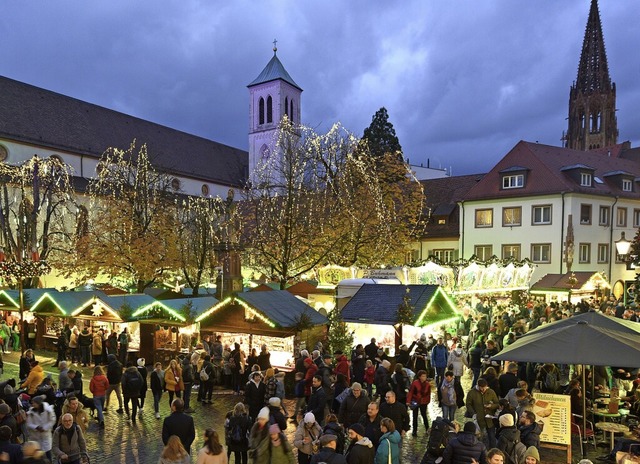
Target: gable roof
{"points": [[378, 304], [561, 282], [31, 295], [281, 307], [32, 115], [548, 174], [66, 303], [274, 70], [441, 197], [198, 304]]}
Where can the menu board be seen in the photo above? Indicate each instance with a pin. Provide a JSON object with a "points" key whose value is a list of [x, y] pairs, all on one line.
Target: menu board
{"points": [[554, 411]]}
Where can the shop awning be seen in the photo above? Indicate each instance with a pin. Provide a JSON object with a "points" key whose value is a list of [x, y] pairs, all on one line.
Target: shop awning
{"points": [[64, 304], [378, 304], [11, 298], [143, 307]]}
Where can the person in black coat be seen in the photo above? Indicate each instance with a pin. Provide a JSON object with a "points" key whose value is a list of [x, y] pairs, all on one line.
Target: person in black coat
{"points": [[317, 400], [465, 448], [354, 405], [358, 361], [275, 413], [530, 430], [179, 424], [371, 350], [238, 419], [142, 369], [361, 450], [395, 411], [371, 423], [25, 364], [508, 379], [254, 394], [13, 450]]}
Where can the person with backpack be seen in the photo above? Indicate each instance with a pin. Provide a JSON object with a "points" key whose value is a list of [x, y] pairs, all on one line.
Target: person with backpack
{"points": [[157, 387], [332, 427], [549, 378], [68, 442], [237, 429], [465, 448], [509, 441], [131, 385]]}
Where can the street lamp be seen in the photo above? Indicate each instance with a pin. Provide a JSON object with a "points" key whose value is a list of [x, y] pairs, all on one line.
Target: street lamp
{"points": [[623, 246], [16, 271]]}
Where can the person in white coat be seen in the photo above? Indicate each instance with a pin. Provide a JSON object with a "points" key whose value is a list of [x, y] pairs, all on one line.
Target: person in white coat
{"points": [[41, 420]]}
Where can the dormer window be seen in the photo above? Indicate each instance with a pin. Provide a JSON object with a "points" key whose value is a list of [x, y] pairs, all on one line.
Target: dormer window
{"points": [[627, 185], [586, 179], [513, 181]]}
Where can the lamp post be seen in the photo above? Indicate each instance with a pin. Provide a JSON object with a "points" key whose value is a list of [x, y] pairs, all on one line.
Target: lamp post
{"points": [[623, 246], [16, 271]]}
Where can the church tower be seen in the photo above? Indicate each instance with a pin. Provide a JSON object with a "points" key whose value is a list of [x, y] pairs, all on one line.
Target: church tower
{"points": [[592, 100], [273, 95]]}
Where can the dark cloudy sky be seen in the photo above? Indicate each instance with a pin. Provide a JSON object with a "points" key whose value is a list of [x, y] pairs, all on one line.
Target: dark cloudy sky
{"points": [[463, 80]]}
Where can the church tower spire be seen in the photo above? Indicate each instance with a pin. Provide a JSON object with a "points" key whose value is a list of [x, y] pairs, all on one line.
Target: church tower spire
{"points": [[273, 95], [592, 99]]}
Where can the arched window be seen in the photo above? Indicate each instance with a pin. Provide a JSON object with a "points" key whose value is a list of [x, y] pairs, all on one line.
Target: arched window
{"points": [[261, 110], [286, 106], [291, 109], [269, 109]]}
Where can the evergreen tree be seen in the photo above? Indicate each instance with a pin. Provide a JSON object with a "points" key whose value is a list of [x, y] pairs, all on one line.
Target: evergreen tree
{"points": [[340, 338], [380, 137]]}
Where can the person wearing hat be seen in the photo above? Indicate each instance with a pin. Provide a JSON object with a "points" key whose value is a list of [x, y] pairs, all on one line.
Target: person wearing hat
{"points": [[327, 453], [259, 439], [280, 449], [142, 369], [532, 456], [306, 438], [275, 413], [354, 405], [41, 420], [254, 394], [361, 450], [509, 438], [465, 447], [13, 450]]}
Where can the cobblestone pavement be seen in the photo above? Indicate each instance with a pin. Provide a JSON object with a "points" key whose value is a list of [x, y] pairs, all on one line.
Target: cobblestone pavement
{"points": [[122, 442]]}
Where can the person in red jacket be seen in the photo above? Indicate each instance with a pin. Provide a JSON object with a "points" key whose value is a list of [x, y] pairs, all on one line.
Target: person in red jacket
{"points": [[342, 366], [308, 378], [420, 392], [98, 386]]}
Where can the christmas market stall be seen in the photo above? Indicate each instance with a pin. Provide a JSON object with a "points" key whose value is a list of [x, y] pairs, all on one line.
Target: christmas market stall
{"points": [[152, 325], [272, 318], [55, 309], [397, 314], [191, 309], [10, 307], [572, 286]]}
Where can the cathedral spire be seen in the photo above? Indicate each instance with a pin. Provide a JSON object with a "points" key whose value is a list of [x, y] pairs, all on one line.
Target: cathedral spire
{"points": [[593, 71], [592, 100]]}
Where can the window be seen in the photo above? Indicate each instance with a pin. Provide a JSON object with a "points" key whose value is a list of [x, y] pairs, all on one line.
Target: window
{"points": [[627, 185], [412, 256], [269, 109], [205, 190], [515, 181], [621, 217], [603, 217], [446, 256], [483, 252], [541, 215], [585, 179], [484, 218], [291, 109], [442, 221], [585, 214], [4, 153], [603, 253], [286, 106], [541, 252], [261, 110], [175, 183], [511, 216], [511, 251], [636, 218], [584, 253]]}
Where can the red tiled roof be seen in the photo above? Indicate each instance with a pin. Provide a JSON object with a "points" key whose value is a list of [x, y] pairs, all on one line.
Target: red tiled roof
{"points": [[544, 175]]}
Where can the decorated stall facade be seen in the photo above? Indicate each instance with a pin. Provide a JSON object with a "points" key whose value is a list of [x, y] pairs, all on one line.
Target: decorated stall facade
{"points": [[274, 318], [571, 286], [397, 314]]}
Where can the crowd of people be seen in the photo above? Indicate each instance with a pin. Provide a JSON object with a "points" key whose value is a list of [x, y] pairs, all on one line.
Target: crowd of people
{"points": [[354, 408]]}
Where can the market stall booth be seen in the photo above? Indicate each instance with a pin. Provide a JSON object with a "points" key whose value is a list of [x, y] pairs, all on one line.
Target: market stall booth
{"points": [[397, 314], [274, 318], [10, 307], [55, 309], [572, 286]]}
